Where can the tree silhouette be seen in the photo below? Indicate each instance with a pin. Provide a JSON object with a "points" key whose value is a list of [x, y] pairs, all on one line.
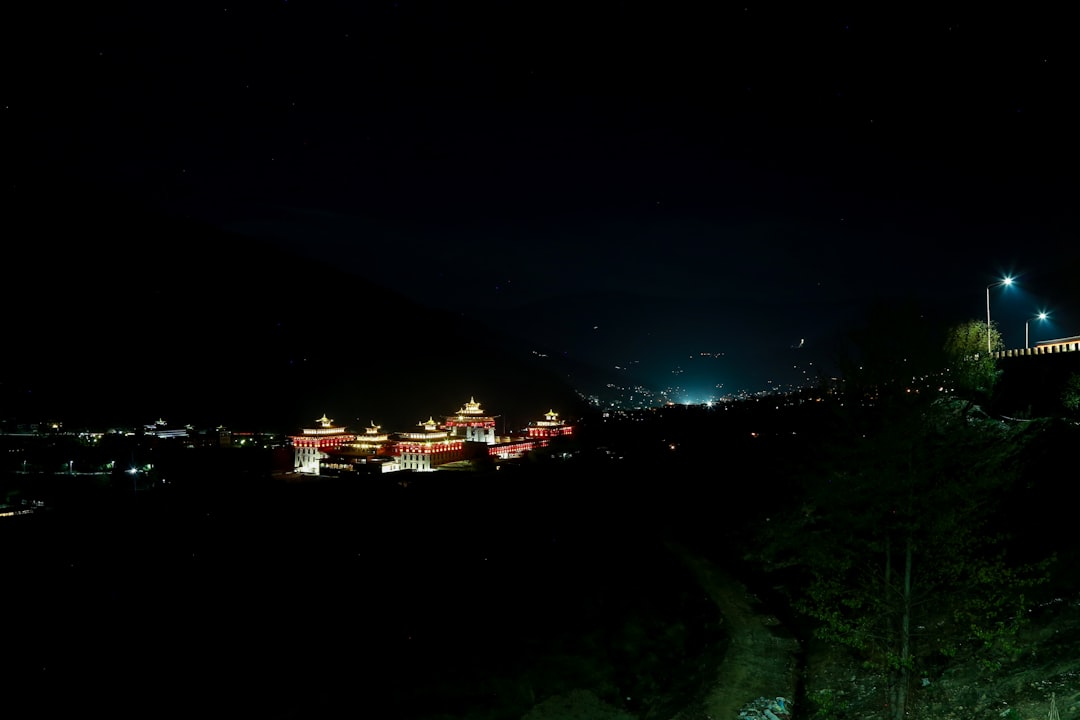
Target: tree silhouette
{"points": [[972, 371], [894, 541], [1070, 395]]}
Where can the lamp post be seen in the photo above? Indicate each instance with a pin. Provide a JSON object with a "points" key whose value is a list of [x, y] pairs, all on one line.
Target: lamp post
{"points": [[1006, 281], [1040, 316]]}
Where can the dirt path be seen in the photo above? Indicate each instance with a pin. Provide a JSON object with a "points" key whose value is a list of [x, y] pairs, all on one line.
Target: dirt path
{"points": [[758, 662]]}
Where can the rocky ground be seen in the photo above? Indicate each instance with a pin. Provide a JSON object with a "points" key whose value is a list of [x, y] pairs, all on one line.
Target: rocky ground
{"points": [[755, 678], [761, 661]]}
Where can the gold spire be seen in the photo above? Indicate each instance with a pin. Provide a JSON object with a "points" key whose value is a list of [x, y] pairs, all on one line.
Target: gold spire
{"points": [[471, 408]]}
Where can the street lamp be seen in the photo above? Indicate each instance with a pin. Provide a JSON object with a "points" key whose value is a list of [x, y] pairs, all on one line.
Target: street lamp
{"points": [[1040, 316], [1006, 281]]}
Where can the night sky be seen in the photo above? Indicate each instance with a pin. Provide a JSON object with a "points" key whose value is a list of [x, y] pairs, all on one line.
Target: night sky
{"points": [[631, 185]]}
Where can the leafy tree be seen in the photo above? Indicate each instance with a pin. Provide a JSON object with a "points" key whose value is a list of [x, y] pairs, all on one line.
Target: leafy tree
{"points": [[972, 369], [1070, 396], [895, 542]]}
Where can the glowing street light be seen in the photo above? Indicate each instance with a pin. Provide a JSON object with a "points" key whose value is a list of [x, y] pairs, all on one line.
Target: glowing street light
{"points": [[1040, 316], [1006, 281]]}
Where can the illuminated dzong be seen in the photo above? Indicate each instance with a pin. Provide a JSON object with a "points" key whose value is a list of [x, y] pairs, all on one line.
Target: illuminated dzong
{"points": [[467, 435]]}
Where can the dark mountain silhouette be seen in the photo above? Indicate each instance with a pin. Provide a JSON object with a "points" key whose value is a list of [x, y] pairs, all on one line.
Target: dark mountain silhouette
{"points": [[120, 315], [643, 339]]}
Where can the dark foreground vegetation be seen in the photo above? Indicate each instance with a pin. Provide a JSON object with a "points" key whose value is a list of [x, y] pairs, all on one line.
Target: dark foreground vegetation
{"points": [[913, 534], [446, 595]]}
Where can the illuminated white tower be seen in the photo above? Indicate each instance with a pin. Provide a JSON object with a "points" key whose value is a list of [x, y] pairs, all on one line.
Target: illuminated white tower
{"points": [[424, 450], [472, 424], [551, 426], [309, 447]]}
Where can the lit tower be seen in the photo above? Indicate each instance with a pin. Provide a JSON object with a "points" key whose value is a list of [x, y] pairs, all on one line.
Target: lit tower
{"points": [[551, 426], [472, 424], [312, 444], [372, 441], [425, 449]]}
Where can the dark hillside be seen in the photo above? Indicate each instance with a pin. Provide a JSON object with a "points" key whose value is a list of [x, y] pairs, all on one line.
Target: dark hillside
{"points": [[118, 315]]}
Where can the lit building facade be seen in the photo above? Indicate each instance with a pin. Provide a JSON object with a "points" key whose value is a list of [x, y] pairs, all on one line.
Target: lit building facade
{"points": [[510, 448], [537, 435], [372, 442], [551, 426], [315, 444], [368, 454], [468, 434], [472, 424], [426, 449]]}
